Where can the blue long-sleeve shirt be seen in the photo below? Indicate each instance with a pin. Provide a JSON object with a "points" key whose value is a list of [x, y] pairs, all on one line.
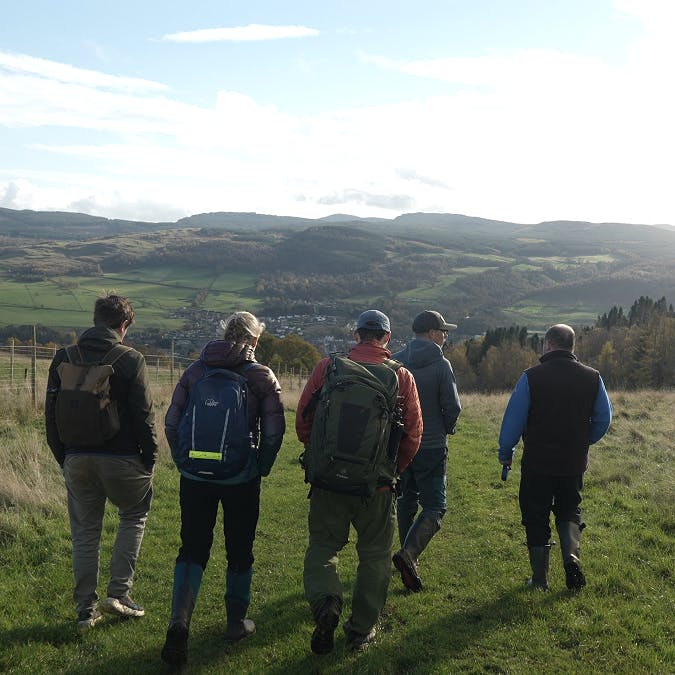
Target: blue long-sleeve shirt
{"points": [[518, 408]]}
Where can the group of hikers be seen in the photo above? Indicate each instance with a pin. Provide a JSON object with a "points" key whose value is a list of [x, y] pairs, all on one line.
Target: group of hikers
{"points": [[374, 426]]}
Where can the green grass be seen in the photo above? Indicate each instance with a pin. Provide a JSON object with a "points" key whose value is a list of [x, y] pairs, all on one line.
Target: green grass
{"points": [[155, 292], [474, 616], [533, 314]]}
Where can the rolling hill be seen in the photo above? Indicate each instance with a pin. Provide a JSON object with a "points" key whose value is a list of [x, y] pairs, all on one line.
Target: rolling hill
{"points": [[479, 272]]}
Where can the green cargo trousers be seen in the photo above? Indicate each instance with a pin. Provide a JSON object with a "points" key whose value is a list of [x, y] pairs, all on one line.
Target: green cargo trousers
{"points": [[374, 519]]}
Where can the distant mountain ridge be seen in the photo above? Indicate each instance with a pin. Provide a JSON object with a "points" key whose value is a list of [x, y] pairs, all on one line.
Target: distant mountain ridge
{"points": [[67, 225]]}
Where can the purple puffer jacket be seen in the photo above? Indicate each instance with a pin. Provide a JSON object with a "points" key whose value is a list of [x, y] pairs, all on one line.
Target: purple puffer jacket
{"points": [[265, 410]]}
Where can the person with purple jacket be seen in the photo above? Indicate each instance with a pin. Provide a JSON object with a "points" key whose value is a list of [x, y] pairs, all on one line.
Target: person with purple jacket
{"points": [[559, 407], [239, 495]]}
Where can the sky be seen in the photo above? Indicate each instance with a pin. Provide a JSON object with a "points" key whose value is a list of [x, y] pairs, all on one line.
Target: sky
{"points": [[516, 110]]}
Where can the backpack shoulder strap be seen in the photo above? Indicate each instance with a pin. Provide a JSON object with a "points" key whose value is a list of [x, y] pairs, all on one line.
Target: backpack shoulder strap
{"points": [[393, 364], [73, 354], [114, 354]]}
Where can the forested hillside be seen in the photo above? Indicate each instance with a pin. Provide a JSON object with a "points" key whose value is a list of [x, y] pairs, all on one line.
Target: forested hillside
{"points": [[479, 273], [632, 350]]}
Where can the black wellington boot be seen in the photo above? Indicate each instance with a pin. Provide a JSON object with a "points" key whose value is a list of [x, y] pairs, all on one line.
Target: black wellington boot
{"points": [[570, 540], [539, 562]]}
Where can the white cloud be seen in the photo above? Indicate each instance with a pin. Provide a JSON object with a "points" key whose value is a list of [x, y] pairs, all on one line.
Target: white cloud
{"points": [[252, 33], [23, 64], [527, 135]]}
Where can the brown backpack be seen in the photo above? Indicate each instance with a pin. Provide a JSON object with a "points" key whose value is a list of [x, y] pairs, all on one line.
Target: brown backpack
{"points": [[86, 416]]}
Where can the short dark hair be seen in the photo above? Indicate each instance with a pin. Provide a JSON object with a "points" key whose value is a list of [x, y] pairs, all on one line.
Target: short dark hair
{"points": [[369, 335], [560, 336], [111, 311]]}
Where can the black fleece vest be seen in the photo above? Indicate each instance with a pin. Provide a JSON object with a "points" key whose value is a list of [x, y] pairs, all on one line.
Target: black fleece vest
{"points": [[562, 396]]}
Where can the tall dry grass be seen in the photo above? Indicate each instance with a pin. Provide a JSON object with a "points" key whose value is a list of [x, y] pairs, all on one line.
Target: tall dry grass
{"points": [[29, 475]]}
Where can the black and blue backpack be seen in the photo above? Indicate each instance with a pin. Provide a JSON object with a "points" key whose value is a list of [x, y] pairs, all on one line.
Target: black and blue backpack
{"points": [[214, 439]]}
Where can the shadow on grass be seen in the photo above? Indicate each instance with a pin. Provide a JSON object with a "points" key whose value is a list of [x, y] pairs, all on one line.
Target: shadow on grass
{"points": [[56, 634], [285, 625]]}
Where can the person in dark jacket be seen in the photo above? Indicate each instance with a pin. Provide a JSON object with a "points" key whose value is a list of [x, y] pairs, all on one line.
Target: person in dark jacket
{"points": [[239, 495], [424, 482], [559, 407], [119, 470]]}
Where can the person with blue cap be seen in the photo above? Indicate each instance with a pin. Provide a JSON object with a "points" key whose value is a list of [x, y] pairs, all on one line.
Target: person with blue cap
{"points": [[331, 513]]}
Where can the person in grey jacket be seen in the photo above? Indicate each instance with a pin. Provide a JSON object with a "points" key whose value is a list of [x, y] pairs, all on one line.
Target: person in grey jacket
{"points": [[424, 481], [120, 470]]}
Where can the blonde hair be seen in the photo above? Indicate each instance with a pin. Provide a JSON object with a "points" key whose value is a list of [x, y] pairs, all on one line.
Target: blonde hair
{"points": [[241, 327]]}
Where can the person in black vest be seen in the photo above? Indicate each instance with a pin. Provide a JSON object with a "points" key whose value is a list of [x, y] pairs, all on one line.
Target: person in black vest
{"points": [[559, 407]]}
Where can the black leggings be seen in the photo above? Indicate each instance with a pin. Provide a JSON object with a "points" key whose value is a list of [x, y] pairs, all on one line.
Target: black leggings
{"points": [[199, 502]]}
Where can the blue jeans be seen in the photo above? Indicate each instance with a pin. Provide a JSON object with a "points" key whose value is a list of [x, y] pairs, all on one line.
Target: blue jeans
{"points": [[423, 483]]}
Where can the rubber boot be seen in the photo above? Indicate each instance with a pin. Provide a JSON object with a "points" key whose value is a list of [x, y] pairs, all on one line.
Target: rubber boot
{"points": [[404, 526], [237, 600], [539, 561], [570, 540], [417, 539], [187, 578], [405, 522]]}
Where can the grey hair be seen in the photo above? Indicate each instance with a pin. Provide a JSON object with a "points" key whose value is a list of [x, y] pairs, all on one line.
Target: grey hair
{"points": [[241, 327], [560, 336]]}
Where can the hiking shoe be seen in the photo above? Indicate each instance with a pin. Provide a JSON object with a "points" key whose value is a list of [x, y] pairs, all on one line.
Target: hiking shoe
{"points": [[239, 630], [574, 577], [327, 619], [175, 649], [358, 642], [87, 619], [123, 606], [409, 576]]}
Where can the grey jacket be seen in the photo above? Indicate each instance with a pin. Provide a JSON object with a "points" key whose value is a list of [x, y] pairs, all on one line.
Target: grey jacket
{"points": [[437, 390]]}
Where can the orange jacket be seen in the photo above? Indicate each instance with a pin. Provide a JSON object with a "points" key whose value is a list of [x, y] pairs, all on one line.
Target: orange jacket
{"points": [[368, 352]]}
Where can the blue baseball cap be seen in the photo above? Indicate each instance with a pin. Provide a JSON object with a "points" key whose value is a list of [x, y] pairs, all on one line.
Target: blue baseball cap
{"points": [[373, 319]]}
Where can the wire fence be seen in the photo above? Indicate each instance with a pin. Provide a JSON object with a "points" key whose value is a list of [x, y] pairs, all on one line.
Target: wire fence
{"points": [[25, 368]]}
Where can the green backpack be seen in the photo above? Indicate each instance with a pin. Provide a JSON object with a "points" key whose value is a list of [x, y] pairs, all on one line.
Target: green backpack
{"points": [[356, 430]]}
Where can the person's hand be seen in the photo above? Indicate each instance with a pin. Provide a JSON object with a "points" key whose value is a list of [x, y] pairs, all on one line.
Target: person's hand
{"points": [[506, 456]]}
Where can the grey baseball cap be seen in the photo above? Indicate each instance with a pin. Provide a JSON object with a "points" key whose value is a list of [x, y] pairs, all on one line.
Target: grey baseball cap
{"points": [[373, 319], [431, 320]]}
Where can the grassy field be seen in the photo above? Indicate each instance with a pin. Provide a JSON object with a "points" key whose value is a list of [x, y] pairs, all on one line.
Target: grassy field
{"points": [[474, 616], [156, 292]]}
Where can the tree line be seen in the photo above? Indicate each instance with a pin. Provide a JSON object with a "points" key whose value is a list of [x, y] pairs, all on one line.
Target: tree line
{"points": [[632, 350]]}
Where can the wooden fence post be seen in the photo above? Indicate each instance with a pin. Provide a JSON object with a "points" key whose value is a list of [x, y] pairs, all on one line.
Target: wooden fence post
{"points": [[172, 358], [33, 374], [11, 363]]}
